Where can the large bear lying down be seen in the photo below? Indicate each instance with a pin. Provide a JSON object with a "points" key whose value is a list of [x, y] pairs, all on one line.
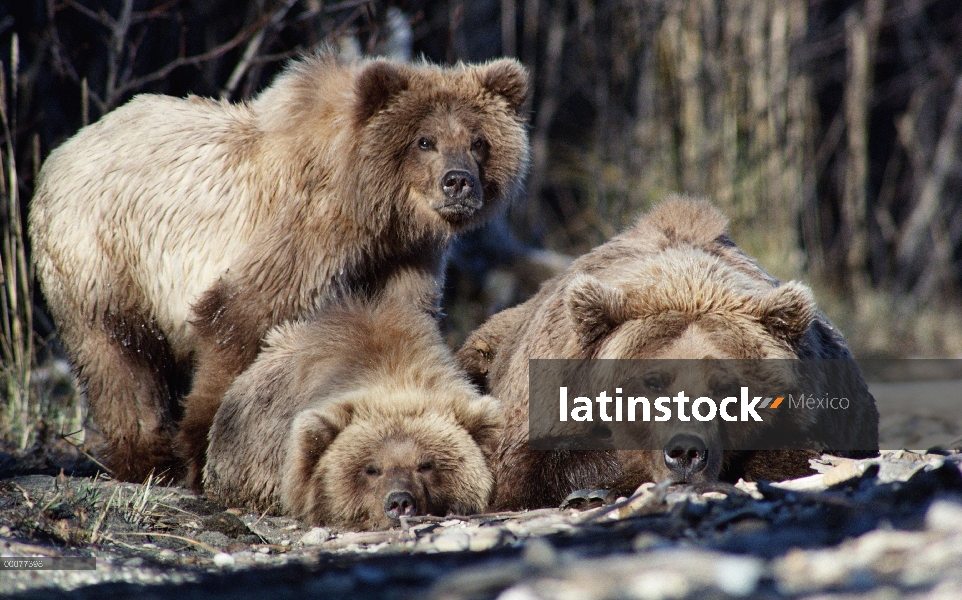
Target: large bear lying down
{"points": [[172, 234], [672, 286], [354, 419]]}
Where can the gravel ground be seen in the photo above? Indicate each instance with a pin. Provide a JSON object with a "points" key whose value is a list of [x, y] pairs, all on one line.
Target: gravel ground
{"points": [[879, 528]]}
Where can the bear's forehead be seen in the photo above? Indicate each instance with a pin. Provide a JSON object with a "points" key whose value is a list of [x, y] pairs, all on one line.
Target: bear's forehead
{"points": [[400, 449], [439, 81], [453, 124], [710, 373], [694, 342], [401, 433], [464, 103], [678, 335], [668, 336], [690, 279]]}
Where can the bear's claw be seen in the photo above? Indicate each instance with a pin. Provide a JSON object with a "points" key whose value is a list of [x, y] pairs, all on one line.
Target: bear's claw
{"points": [[586, 499]]}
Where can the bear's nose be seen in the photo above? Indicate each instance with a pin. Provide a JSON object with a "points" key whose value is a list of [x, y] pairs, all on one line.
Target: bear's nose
{"points": [[685, 455], [457, 185], [400, 504]]}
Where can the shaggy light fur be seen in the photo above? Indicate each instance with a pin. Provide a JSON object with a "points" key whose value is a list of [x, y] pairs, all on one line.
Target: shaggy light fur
{"points": [[672, 286], [171, 235], [339, 411]]}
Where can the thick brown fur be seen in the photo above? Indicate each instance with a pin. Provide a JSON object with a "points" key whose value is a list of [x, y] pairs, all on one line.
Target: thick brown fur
{"points": [[171, 235], [339, 411], [672, 286]]}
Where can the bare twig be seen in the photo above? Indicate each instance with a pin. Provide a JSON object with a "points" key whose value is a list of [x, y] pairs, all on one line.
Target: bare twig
{"points": [[77, 447], [529, 52], [188, 540], [338, 6], [120, 61], [197, 59], [862, 35], [84, 103], [508, 28], [61, 63], [102, 515], [26, 496], [155, 12], [101, 17], [253, 47], [113, 540], [922, 216], [262, 59], [178, 509], [550, 99]]}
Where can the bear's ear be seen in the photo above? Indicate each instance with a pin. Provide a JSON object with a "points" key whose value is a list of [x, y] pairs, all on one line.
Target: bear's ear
{"points": [[314, 429], [788, 311], [594, 307], [507, 78], [483, 419], [375, 86], [476, 357]]}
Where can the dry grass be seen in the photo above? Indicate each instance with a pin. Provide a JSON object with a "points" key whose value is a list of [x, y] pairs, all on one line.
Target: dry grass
{"points": [[86, 512], [36, 403], [880, 325], [16, 306]]}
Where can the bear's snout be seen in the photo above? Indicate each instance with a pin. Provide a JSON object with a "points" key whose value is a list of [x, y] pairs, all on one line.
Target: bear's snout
{"points": [[462, 196], [686, 455], [458, 185], [400, 504]]}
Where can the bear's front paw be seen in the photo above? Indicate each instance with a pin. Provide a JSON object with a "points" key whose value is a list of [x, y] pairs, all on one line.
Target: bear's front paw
{"points": [[587, 499]]}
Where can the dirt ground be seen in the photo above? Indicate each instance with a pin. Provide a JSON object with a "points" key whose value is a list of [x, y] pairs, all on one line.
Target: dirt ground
{"points": [[872, 528], [876, 528]]}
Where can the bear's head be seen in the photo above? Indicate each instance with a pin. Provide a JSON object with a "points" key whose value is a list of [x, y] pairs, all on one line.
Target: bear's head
{"points": [[684, 303], [366, 460], [455, 139]]}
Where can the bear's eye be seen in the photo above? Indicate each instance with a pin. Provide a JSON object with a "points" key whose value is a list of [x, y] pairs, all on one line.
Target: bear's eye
{"points": [[372, 470], [478, 144], [656, 382], [725, 389], [425, 144], [425, 466]]}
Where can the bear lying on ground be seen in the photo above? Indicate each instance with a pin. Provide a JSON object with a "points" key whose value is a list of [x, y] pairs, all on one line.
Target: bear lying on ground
{"points": [[354, 419], [171, 235], [673, 286]]}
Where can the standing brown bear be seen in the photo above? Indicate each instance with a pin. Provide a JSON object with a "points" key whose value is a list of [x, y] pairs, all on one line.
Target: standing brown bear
{"points": [[354, 419], [673, 286], [171, 235]]}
